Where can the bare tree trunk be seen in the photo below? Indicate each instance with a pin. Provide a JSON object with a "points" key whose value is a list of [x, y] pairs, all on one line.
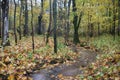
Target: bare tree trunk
{"points": [[114, 18], [55, 24], [0, 20], [50, 22], [15, 23], [5, 10], [119, 17], [76, 22], [32, 26], [65, 23], [40, 19], [26, 32], [68, 21], [19, 28]]}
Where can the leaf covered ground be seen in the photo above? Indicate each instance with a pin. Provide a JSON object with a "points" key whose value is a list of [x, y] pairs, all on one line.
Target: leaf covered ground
{"points": [[18, 61]]}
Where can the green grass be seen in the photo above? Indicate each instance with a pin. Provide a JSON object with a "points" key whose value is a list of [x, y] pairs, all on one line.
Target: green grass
{"points": [[106, 43], [107, 65]]}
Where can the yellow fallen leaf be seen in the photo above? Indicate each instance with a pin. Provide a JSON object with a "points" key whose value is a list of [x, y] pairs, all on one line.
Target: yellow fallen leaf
{"points": [[11, 77], [2, 63], [60, 76]]}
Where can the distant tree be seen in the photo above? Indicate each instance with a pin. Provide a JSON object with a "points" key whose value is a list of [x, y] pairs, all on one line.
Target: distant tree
{"points": [[5, 27], [26, 32], [40, 17], [0, 19], [35, 2], [32, 26], [119, 17], [55, 24], [90, 26], [50, 23], [15, 22], [19, 27], [65, 22], [68, 21], [114, 18]]}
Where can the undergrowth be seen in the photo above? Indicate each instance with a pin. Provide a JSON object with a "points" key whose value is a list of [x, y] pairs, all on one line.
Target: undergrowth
{"points": [[107, 65]]}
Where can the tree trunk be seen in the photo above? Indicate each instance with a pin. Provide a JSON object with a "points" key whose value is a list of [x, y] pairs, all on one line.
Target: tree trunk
{"points": [[32, 26], [76, 22], [15, 23], [0, 20], [119, 17], [76, 35], [19, 28], [68, 20], [65, 23], [114, 18], [26, 19], [55, 24], [50, 22], [5, 10], [40, 19]]}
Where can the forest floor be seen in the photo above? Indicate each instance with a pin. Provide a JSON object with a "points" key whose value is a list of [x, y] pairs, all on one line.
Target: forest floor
{"points": [[68, 71], [19, 62]]}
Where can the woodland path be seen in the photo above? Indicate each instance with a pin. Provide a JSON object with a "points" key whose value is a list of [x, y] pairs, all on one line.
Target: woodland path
{"points": [[86, 57]]}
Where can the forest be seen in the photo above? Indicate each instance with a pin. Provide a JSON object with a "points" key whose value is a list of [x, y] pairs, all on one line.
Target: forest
{"points": [[59, 39]]}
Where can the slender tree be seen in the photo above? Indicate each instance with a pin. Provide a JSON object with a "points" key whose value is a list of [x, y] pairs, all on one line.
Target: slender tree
{"points": [[114, 18], [68, 20], [32, 26], [19, 28], [0, 20], [26, 19], [119, 17], [40, 19], [65, 22], [50, 22], [55, 24], [15, 23]]}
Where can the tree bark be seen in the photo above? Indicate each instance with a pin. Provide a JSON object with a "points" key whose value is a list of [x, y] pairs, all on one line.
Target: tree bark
{"points": [[0, 20], [19, 28], [65, 23], [119, 17], [76, 22], [50, 22], [55, 24], [15, 23], [32, 26], [68, 21], [40, 19], [26, 19], [5, 10], [114, 18]]}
